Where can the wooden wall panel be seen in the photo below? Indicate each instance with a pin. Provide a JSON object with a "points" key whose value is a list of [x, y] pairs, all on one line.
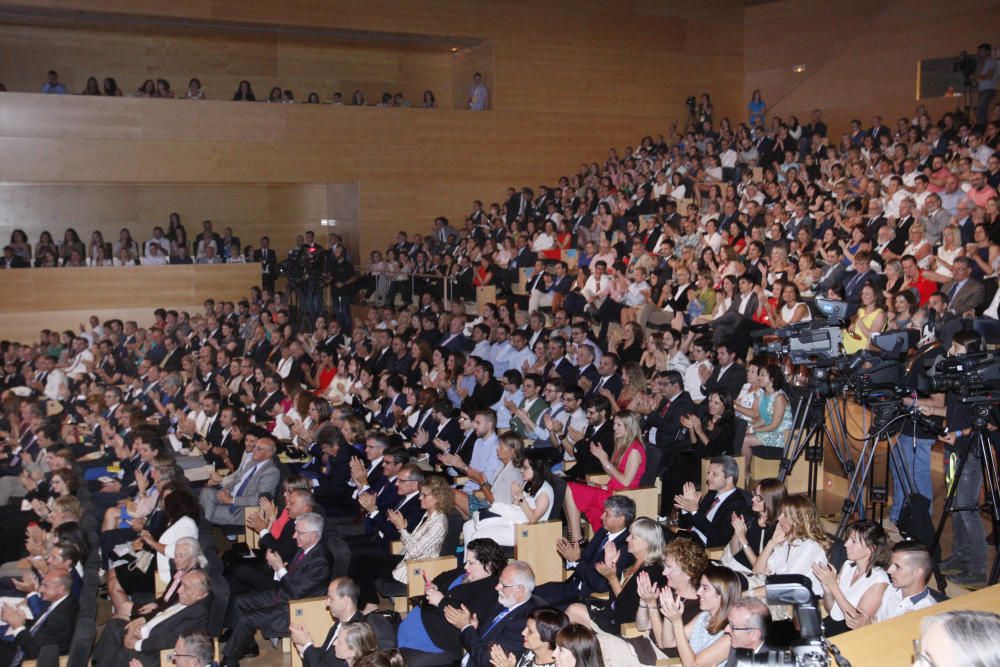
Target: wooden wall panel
{"points": [[220, 62], [33, 299], [279, 211], [410, 165], [561, 53], [860, 55]]}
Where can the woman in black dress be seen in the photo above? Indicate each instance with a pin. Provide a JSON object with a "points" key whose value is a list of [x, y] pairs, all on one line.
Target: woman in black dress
{"points": [[713, 434], [645, 543], [425, 637], [751, 533]]}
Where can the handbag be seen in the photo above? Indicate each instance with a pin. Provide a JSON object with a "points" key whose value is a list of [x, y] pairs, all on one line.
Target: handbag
{"points": [[142, 561]]}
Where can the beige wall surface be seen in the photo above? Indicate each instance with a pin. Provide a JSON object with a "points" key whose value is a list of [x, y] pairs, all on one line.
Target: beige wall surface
{"points": [[36, 299], [860, 55]]}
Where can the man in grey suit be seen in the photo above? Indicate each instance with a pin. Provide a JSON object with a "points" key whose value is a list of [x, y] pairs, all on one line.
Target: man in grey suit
{"points": [[935, 219], [965, 293], [835, 271], [961, 299], [242, 489]]}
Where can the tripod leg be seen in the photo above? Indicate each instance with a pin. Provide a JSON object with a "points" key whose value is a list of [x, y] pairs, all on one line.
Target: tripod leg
{"points": [[991, 479]]}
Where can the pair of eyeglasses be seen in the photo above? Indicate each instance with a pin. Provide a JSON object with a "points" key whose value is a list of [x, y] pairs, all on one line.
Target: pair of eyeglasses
{"points": [[174, 656]]}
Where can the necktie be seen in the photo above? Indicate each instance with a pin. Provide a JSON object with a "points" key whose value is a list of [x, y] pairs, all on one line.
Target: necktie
{"points": [[854, 282], [298, 559], [241, 488], [499, 617], [666, 406], [951, 294], [33, 630]]}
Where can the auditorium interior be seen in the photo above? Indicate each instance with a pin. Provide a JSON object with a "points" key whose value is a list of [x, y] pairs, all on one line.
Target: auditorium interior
{"points": [[646, 302]]}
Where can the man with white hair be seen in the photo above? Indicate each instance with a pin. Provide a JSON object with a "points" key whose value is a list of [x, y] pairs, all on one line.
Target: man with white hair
{"points": [[505, 624], [144, 639], [307, 574]]}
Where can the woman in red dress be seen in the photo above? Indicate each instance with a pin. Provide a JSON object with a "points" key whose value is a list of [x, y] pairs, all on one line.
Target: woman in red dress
{"points": [[625, 467]]}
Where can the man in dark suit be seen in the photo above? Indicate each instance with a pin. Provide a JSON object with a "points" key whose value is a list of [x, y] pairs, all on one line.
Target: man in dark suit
{"points": [[406, 501], [678, 463], [856, 280], [267, 399], [709, 519], [834, 273], [747, 629], [143, 640], [619, 512], [559, 367], [743, 307], [609, 377], [519, 205], [456, 340], [505, 625], [342, 602], [245, 573], [333, 491], [599, 431], [487, 391], [54, 626], [306, 575], [12, 261], [268, 260], [727, 374]]}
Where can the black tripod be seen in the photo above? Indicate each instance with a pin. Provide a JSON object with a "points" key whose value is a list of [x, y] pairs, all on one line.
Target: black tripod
{"points": [[809, 435], [884, 415], [978, 445]]}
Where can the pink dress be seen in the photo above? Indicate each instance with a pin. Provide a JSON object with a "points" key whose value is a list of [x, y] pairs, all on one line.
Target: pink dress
{"points": [[590, 499]]}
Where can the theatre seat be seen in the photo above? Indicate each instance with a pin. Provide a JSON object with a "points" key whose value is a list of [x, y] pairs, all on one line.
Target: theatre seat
{"points": [[536, 545]]}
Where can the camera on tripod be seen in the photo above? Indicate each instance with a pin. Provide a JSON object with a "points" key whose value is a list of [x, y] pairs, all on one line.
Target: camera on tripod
{"points": [[967, 374], [303, 265], [812, 649], [966, 65], [808, 343]]}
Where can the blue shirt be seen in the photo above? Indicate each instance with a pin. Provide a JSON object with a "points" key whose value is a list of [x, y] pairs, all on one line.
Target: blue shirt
{"points": [[485, 460]]}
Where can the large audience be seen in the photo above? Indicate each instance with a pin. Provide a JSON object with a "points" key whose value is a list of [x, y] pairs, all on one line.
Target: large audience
{"points": [[614, 357]]}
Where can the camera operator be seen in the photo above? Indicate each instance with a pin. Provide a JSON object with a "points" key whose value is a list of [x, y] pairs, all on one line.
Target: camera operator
{"points": [[310, 272], [342, 279], [987, 79], [968, 556]]}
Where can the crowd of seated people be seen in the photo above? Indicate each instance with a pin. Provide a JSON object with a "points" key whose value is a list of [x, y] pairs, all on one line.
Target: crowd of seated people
{"points": [[170, 246], [412, 426], [160, 88]]}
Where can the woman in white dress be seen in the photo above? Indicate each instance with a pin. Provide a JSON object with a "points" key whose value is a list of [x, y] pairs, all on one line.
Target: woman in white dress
{"points": [[862, 580], [950, 249], [533, 502], [799, 542], [746, 403], [792, 310], [919, 247]]}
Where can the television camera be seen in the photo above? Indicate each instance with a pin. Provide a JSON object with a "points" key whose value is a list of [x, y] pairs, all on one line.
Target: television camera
{"points": [[967, 374], [812, 649]]}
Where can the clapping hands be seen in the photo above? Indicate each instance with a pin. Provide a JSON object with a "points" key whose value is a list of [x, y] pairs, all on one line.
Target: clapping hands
{"points": [[688, 501]]}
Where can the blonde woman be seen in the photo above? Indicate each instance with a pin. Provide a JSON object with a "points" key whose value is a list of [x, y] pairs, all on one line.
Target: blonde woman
{"points": [[950, 249], [625, 466], [798, 543], [645, 544]]}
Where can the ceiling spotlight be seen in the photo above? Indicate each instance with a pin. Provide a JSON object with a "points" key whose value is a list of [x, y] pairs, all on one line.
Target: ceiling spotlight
{"points": [[798, 69]]}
